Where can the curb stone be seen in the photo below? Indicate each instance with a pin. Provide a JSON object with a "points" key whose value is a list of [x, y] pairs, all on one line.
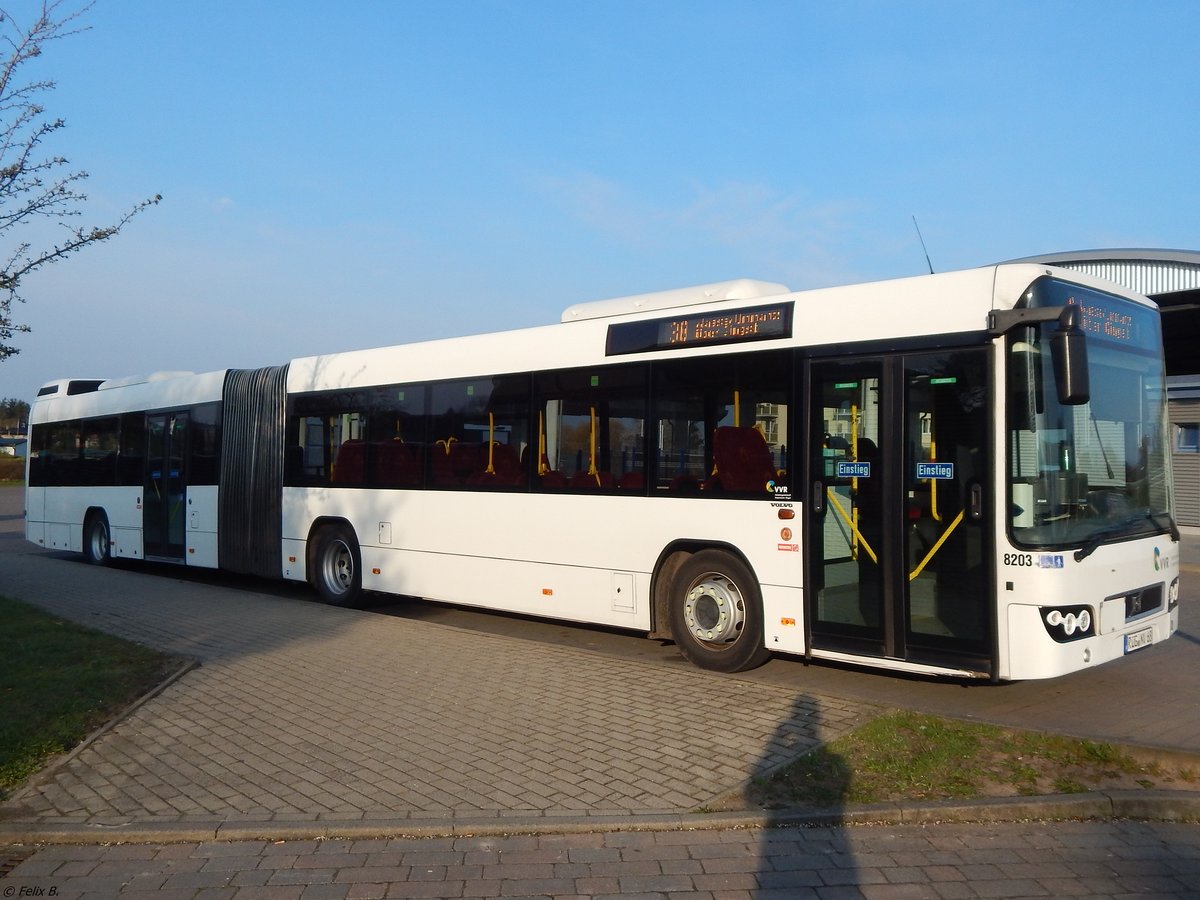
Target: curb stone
{"points": [[1162, 806]]}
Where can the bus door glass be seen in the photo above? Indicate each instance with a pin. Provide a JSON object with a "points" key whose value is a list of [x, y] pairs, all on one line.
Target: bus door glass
{"points": [[163, 509], [898, 542], [845, 537], [946, 480]]}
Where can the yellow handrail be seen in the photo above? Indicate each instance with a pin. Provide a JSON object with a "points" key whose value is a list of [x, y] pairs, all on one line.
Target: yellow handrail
{"points": [[854, 483], [934, 549], [592, 450], [933, 509], [853, 525], [543, 465], [491, 468]]}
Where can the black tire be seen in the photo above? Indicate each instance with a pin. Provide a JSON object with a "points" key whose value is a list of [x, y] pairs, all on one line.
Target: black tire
{"points": [[716, 613], [335, 569], [97, 540]]}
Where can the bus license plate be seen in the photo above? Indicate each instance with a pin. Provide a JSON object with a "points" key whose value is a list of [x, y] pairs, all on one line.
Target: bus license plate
{"points": [[1139, 639]]}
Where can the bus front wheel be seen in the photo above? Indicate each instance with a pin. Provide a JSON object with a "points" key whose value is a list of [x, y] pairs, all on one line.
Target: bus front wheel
{"points": [[716, 613], [336, 568], [97, 541]]}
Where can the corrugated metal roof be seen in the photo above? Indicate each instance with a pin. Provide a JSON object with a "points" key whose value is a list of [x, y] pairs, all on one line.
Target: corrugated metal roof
{"points": [[1145, 271], [1183, 386]]}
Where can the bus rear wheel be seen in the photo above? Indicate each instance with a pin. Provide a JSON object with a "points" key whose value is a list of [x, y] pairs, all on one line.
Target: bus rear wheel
{"points": [[716, 613], [336, 567], [97, 540]]}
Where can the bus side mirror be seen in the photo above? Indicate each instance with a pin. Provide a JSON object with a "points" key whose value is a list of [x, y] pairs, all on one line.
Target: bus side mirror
{"points": [[1068, 353]]}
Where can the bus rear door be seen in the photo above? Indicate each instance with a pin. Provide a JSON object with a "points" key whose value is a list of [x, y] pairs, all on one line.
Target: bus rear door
{"points": [[164, 510]]}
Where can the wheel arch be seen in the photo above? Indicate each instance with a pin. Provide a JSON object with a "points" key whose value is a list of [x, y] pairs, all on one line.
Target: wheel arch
{"points": [[92, 515], [319, 524], [666, 567], [91, 512]]}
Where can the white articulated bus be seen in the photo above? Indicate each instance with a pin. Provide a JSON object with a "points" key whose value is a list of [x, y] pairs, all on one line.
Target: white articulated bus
{"points": [[961, 474]]}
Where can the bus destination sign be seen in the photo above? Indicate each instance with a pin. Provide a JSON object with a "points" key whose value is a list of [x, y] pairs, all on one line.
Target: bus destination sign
{"points": [[1103, 321], [1103, 317], [757, 323]]}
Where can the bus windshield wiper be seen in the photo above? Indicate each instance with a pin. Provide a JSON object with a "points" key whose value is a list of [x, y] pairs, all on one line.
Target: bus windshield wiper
{"points": [[1088, 547], [1170, 526]]}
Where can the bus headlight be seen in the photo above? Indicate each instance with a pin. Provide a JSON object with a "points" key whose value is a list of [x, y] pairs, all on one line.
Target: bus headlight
{"points": [[1068, 623], [1173, 595]]}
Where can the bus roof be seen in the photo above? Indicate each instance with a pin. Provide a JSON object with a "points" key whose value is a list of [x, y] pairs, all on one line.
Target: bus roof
{"points": [[73, 398], [738, 289], [946, 303]]}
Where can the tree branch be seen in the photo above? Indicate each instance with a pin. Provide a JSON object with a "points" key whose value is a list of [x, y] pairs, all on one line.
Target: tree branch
{"points": [[33, 186]]}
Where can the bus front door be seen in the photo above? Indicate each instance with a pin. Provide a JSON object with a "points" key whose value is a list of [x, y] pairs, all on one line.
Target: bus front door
{"points": [[164, 502], [897, 549]]}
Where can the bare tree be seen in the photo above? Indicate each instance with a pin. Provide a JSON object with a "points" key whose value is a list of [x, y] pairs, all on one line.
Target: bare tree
{"points": [[35, 185]]}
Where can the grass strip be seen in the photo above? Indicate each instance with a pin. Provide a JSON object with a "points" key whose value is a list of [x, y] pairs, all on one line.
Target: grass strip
{"points": [[59, 682], [913, 756]]}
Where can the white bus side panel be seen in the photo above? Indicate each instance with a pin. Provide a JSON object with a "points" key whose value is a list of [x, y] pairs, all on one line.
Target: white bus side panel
{"points": [[201, 536], [54, 520], [783, 618], [561, 556], [35, 516], [63, 510]]}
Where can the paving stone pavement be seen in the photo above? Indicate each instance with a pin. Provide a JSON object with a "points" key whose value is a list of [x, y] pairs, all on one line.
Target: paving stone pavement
{"points": [[1095, 860], [300, 711]]}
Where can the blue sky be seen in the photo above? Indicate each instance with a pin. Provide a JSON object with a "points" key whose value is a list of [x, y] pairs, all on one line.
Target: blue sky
{"points": [[337, 176]]}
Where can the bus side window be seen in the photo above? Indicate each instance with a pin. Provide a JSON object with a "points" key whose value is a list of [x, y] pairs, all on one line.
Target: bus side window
{"points": [[480, 431], [681, 401], [305, 461], [398, 439], [60, 455], [591, 429], [347, 448], [98, 461], [39, 456], [319, 428], [203, 451], [131, 455], [722, 424]]}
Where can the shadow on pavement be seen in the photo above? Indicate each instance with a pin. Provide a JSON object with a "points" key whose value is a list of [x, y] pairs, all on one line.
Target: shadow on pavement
{"points": [[799, 862]]}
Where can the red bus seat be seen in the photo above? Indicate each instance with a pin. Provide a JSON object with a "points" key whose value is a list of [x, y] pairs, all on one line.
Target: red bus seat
{"points": [[350, 466], [742, 460]]}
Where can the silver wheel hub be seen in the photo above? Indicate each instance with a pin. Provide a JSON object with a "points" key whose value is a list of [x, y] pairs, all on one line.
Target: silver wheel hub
{"points": [[714, 610], [339, 568], [99, 541]]}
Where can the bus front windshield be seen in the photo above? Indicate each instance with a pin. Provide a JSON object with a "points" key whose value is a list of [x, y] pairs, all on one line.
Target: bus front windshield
{"points": [[1083, 475]]}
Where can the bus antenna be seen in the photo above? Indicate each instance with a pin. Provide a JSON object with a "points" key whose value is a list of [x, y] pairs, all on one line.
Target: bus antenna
{"points": [[922, 240]]}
